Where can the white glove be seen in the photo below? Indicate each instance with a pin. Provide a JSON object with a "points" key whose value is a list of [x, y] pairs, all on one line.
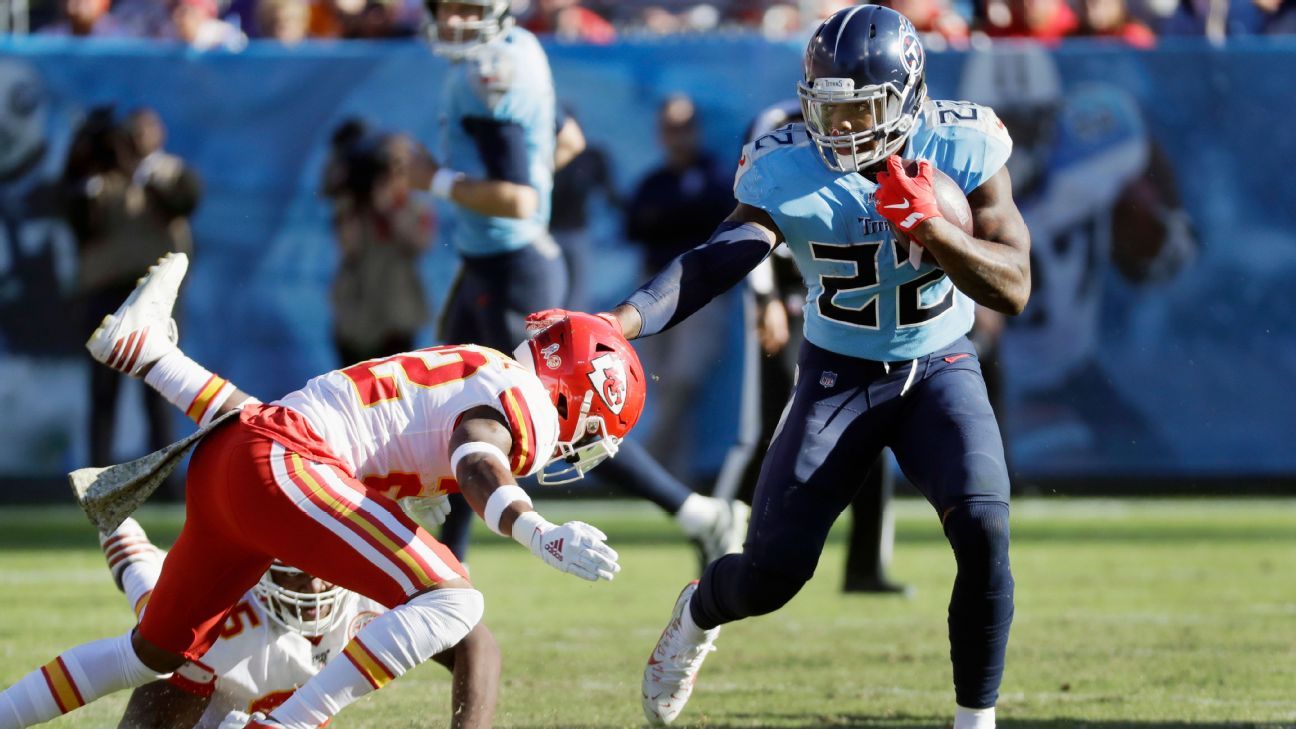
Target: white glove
{"points": [[575, 547], [427, 511]]}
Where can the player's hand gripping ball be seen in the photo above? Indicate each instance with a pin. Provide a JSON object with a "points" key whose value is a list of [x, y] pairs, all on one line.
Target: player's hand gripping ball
{"points": [[911, 191]]}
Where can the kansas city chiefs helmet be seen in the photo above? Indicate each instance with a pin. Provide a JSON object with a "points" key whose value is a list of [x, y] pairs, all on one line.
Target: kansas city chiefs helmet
{"points": [[597, 385]]}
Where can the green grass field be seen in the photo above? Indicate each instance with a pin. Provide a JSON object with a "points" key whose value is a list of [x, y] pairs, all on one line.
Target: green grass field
{"points": [[1146, 614]]}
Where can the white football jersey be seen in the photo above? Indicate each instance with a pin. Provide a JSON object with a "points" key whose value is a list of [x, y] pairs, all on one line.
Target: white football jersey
{"points": [[390, 419], [256, 664]]}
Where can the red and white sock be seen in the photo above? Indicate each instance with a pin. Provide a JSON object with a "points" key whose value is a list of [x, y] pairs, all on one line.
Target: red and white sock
{"points": [[189, 386], [72, 680], [385, 649], [134, 561]]}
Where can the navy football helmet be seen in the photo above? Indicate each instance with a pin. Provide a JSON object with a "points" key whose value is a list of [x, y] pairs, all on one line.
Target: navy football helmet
{"points": [[864, 86], [457, 40]]}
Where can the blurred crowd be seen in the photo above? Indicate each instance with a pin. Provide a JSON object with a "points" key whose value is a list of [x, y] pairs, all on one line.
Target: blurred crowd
{"points": [[228, 24]]}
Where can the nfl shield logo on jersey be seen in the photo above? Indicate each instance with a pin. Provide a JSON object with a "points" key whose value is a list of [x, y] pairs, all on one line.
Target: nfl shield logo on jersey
{"points": [[828, 379], [609, 378]]}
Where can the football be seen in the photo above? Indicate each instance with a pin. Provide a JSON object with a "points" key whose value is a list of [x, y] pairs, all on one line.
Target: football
{"points": [[950, 199]]}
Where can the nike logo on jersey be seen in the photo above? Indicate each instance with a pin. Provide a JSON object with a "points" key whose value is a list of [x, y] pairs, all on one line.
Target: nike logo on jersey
{"points": [[898, 206]]}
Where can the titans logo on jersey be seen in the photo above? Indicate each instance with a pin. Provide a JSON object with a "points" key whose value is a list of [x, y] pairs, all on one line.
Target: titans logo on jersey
{"points": [[865, 300], [499, 125]]}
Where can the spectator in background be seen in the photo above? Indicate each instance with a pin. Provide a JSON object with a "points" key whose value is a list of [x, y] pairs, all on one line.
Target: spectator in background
{"points": [[575, 183], [86, 19], [1111, 19], [1048, 21], [941, 27], [194, 23], [285, 21], [129, 203], [382, 229], [569, 20], [674, 206]]}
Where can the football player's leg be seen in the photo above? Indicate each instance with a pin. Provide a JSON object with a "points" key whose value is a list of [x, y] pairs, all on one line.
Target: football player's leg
{"points": [[807, 480], [205, 573], [321, 520], [134, 562], [475, 662], [948, 444], [872, 534]]}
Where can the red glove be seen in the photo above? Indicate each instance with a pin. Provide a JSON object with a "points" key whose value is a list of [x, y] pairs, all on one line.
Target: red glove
{"points": [[906, 201], [543, 319]]}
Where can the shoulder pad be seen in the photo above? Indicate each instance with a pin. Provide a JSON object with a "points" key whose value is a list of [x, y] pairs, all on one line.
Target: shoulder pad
{"points": [[785, 137], [939, 113], [491, 72]]}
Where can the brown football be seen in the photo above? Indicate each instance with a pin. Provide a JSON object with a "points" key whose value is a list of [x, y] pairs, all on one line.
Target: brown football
{"points": [[950, 199]]}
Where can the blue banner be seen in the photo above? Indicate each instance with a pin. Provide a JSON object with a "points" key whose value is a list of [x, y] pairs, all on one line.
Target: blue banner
{"points": [[1161, 338]]}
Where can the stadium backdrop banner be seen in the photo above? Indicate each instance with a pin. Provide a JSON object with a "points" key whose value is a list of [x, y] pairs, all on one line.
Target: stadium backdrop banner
{"points": [[1188, 374]]}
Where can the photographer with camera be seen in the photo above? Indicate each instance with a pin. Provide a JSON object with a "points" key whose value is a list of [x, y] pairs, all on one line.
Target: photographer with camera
{"points": [[128, 203], [382, 229]]}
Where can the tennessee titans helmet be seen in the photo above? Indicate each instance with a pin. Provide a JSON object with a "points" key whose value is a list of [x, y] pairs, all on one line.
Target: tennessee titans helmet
{"points": [[456, 41], [864, 86]]}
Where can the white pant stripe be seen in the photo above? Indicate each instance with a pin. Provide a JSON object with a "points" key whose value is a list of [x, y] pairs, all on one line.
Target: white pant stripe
{"points": [[278, 459], [440, 570]]}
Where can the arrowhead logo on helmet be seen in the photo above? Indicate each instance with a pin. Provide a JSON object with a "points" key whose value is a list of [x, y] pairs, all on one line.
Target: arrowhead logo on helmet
{"points": [[609, 381], [598, 389]]}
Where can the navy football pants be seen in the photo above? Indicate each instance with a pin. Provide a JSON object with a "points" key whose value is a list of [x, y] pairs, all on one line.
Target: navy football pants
{"points": [[936, 418]]}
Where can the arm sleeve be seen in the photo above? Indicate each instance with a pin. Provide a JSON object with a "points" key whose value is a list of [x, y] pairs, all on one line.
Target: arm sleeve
{"points": [[698, 275], [501, 144]]}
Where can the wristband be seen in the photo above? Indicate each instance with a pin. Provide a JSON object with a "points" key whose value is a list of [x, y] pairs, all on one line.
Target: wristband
{"points": [[499, 500], [467, 449], [527, 526], [443, 182]]}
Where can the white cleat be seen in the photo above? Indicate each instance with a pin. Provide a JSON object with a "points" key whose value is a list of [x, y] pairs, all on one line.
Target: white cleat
{"points": [[141, 331], [126, 545], [675, 661], [725, 534]]}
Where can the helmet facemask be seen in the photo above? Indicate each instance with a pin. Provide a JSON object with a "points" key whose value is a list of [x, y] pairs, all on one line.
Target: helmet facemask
{"points": [[310, 614], [465, 36], [588, 446], [887, 112]]}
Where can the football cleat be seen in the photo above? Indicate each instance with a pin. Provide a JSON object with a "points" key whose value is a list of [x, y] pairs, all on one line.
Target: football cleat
{"points": [[141, 331], [126, 545], [674, 664], [724, 534]]}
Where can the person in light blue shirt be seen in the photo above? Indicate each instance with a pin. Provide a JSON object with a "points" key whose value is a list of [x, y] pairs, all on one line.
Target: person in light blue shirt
{"points": [[502, 137]]}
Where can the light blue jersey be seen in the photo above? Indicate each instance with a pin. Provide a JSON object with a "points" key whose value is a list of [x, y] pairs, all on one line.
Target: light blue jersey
{"points": [[504, 84], [864, 298]]}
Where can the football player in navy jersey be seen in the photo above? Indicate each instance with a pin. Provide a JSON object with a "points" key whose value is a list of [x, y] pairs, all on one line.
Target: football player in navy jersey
{"points": [[886, 361], [495, 164]]}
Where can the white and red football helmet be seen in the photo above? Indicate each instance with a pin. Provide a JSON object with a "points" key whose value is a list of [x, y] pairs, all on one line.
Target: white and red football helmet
{"points": [[597, 385], [311, 614]]}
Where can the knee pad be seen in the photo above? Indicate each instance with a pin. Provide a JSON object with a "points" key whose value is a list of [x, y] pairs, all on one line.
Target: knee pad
{"points": [[978, 532]]}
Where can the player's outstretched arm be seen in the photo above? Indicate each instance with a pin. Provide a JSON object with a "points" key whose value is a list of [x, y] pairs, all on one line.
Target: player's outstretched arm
{"points": [[497, 197], [479, 450], [993, 265], [160, 705], [700, 274]]}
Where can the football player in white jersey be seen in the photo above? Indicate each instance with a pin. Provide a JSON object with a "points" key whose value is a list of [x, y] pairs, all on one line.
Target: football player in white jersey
{"points": [[312, 480], [280, 633]]}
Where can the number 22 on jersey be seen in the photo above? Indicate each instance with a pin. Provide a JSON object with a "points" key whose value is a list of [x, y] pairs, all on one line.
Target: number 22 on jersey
{"points": [[377, 380]]}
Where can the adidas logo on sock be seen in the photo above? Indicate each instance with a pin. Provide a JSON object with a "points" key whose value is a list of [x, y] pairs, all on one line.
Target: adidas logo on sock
{"points": [[555, 548]]}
